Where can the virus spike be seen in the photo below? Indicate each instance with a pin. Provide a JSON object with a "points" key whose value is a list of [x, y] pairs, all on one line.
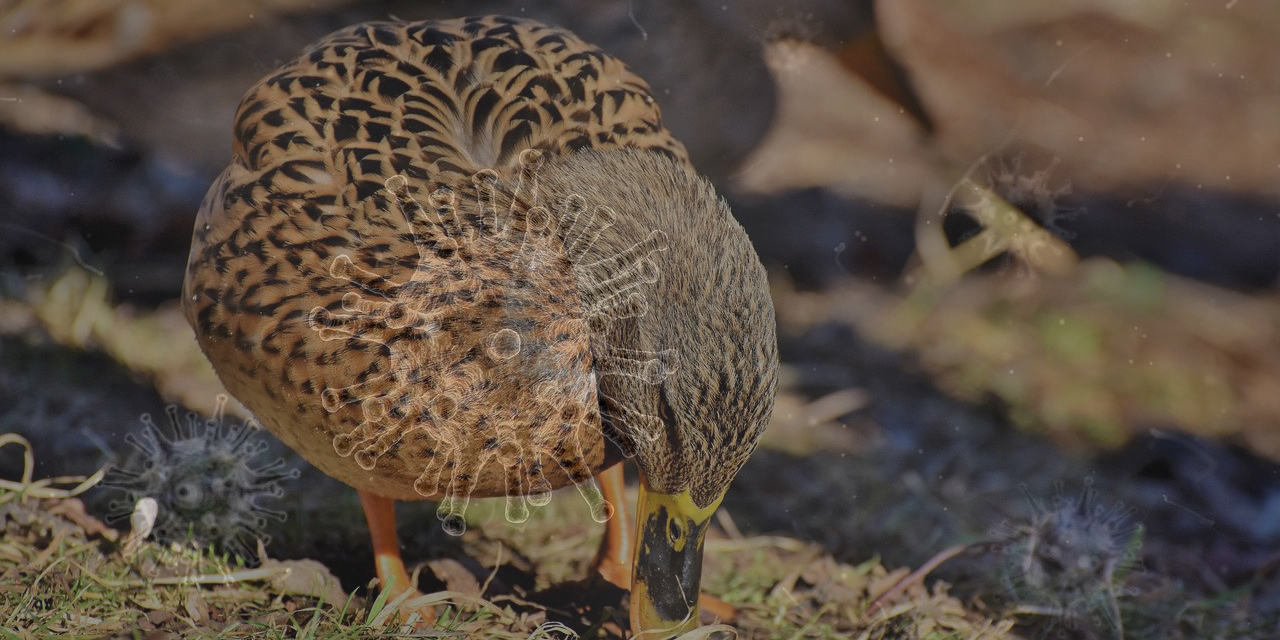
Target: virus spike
{"points": [[175, 423], [540, 492], [149, 443], [517, 508], [428, 482], [452, 508], [510, 454], [240, 441], [602, 314], [452, 512], [220, 408], [625, 279], [345, 443], [571, 459], [584, 227], [368, 456], [652, 367], [343, 268], [531, 161], [333, 399], [332, 326], [534, 226], [486, 184], [630, 258], [600, 508]]}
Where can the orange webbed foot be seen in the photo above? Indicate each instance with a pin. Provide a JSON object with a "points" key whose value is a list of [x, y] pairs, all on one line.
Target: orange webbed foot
{"points": [[398, 591]]}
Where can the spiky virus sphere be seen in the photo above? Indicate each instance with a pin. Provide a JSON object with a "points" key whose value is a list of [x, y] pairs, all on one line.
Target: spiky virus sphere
{"points": [[1012, 212], [203, 476], [1069, 562], [1034, 193]]}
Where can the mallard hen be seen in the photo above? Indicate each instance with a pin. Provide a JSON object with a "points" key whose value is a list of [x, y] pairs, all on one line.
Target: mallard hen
{"points": [[464, 259]]}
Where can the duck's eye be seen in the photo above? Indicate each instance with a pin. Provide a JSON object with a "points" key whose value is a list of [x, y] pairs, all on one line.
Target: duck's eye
{"points": [[674, 533]]}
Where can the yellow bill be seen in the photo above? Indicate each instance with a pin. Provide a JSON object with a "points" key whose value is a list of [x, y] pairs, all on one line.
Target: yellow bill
{"points": [[667, 572]]}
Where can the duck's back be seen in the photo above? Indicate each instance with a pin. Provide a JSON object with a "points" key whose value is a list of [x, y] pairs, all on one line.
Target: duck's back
{"points": [[450, 97], [353, 278]]}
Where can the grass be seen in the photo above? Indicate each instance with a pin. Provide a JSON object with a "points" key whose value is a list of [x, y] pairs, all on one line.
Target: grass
{"points": [[64, 574], [68, 575], [66, 582]]}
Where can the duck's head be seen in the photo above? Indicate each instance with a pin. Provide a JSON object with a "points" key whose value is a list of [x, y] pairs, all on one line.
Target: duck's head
{"points": [[700, 316]]}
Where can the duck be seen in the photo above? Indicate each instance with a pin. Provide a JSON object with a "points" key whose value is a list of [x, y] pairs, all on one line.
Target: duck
{"points": [[463, 259]]}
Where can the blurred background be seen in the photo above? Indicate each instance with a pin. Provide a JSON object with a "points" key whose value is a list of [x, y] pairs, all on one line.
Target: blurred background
{"points": [[1025, 260]]}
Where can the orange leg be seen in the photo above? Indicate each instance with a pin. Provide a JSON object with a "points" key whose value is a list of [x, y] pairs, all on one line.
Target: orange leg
{"points": [[613, 560], [380, 513]]}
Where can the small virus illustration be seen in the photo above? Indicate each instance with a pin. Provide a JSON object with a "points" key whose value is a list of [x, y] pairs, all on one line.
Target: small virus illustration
{"points": [[1069, 562], [491, 382], [1021, 212], [202, 477], [1033, 193]]}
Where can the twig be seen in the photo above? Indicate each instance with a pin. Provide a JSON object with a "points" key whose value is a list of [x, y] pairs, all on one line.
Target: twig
{"points": [[916, 576], [29, 488], [726, 522], [759, 542], [497, 562], [228, 577]]}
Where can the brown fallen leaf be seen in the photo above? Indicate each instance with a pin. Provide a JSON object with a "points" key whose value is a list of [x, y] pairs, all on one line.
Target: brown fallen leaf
{"points": [[455, 576], [305, 578], [73, 509], [195, 606]]}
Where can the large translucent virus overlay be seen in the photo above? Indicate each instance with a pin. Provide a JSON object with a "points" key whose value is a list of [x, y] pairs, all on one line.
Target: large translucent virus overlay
{"points": [[202, 475], [483, 357]]}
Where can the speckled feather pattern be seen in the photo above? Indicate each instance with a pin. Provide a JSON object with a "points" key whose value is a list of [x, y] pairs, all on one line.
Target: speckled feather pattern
{"points": [[401, 276]]}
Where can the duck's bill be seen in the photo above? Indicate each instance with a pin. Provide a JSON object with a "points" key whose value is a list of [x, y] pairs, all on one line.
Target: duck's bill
{"points": [[667, 572]]}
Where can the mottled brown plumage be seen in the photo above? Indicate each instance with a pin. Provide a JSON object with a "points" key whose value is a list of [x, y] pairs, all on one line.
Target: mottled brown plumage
{"points": [[450, 259]]}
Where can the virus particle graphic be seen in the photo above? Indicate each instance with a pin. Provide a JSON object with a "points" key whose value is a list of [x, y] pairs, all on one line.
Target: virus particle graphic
{"points": [[1069, 562], [486, 385], [1021, 213], [202, 477], [1033, 193]]}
